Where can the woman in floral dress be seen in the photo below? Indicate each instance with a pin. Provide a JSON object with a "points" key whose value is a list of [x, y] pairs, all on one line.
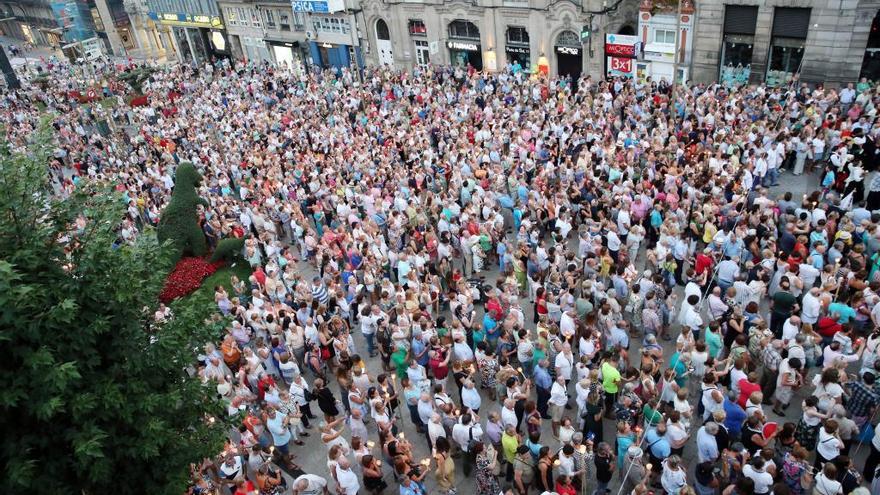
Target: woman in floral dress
{"points": [[487, 483]]}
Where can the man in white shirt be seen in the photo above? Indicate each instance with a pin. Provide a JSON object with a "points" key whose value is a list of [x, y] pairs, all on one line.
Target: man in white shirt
{"points": [[755, 471], [558, 401], [464, 432], [435, 429], [346, 480], [508, 415], [309, 484], [567, 324]]}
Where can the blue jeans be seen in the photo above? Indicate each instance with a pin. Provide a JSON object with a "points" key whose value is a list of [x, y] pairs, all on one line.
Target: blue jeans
{"points": [[371, 343], [601, 488], [771, 178]]}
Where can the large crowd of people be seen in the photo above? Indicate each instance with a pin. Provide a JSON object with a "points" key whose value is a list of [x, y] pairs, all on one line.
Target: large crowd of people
{"points": [[563, 286]]}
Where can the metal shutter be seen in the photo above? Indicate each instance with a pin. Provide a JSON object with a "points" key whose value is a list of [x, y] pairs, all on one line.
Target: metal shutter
{"points": [[740, 19], [791, 22]]}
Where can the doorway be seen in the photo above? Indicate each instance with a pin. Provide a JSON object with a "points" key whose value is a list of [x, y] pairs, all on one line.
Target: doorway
{"points": [[383, 43]]}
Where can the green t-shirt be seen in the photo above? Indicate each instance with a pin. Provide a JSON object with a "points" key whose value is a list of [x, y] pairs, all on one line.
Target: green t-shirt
{"points": [[399, 359], [783, 302], [509, 444], [610, 377]]}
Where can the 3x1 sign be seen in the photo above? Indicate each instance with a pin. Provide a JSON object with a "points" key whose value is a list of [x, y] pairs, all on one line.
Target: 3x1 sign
{"points": [[621, 64]]}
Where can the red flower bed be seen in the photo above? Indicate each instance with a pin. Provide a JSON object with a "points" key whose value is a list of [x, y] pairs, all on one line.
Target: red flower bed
{"points": [[186, 277], [139, 101]]}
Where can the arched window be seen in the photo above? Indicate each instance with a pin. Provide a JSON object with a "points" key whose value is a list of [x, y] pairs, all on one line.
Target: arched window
{"points": [[627, 30], [568, 38], [464, 30], [382, 30]]}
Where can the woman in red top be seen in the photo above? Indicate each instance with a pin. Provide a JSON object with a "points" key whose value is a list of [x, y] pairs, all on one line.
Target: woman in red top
{"points": [[564, 486], [540, 303]]}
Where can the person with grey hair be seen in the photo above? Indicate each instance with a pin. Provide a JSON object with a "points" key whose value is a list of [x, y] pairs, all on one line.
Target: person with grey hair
{"points": [[634, 470], [674, 477], [707, 446]]}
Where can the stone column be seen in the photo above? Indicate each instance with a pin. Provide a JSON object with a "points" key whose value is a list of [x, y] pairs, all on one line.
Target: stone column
{"points": [[110, 28]]}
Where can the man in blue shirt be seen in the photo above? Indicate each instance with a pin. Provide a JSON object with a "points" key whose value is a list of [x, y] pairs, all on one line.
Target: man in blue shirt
{"points": [[543, 382], [734, 416], [659, 447]]}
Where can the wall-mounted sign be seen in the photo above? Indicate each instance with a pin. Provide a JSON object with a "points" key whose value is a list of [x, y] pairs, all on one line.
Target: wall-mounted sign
{"points": [[619, 66], [186, 20], [620, 50], [620, 45], [318, 6], [463, 46], [568, 50], [516, 49]]}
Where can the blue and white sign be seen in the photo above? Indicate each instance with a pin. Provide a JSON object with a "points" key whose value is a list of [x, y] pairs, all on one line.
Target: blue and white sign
{"points": [[318, 6]]}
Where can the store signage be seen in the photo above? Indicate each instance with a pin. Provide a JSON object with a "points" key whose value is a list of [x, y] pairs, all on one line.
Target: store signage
{"points": [[463, 46], [620, 50], [317, 6], [516, 49], [617, 64], [568, 50], [659, 56], [187, 20], [621, 45]]}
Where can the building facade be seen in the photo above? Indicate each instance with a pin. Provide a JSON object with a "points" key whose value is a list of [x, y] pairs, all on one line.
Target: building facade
{"points": [[558, 37], [769, 41], [267, 30], [194, 28], [58, 24], [665, 41]]}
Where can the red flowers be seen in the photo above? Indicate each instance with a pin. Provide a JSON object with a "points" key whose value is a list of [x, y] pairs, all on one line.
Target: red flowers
{"points": [[186, 277]]}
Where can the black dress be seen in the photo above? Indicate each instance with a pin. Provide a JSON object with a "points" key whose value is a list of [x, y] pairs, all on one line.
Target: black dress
{"points": [[326, 401]]}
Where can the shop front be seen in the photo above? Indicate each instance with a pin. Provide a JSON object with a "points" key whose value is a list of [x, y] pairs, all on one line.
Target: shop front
{"points": [[737, 45], [517, 48], [464, 44], [789, 37], [287, 52], [327, 55], [200, 37], [464, 53], [569, 55]]}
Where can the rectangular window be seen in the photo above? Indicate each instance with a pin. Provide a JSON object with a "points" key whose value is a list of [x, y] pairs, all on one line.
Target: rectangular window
{"points": [[231, 17], [284, 20], [423, 54], [517, 35], [299, 21], [270, 19], [255, 18], [242, 17], [417, 27], [666, 36]]}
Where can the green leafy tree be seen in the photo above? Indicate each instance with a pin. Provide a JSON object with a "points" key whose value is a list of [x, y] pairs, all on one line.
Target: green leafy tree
{"points": [[97, 397], [179, 223]]}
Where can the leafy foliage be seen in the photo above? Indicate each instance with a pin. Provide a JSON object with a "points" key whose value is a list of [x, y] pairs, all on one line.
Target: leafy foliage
{"points": [[230, 249], [180, 222], [96, 397]]}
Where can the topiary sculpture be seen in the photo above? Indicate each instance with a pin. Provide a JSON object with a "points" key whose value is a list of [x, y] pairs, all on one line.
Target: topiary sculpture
{"points": [[180, 222]]}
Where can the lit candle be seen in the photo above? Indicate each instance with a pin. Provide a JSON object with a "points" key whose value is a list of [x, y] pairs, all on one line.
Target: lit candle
{"points": [[556, 462], [371, 444], [457, 412], [648, 466], [401, 436], [211, 419], [378, 462]]}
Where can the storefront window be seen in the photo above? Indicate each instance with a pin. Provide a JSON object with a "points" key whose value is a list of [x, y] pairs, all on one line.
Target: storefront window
{"points": [[786, 55], [736, 60], [517, 49]]}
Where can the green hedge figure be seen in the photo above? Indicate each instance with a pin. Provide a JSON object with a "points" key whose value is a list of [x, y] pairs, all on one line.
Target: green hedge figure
{"points": [[229, 250], [180, 221]]}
